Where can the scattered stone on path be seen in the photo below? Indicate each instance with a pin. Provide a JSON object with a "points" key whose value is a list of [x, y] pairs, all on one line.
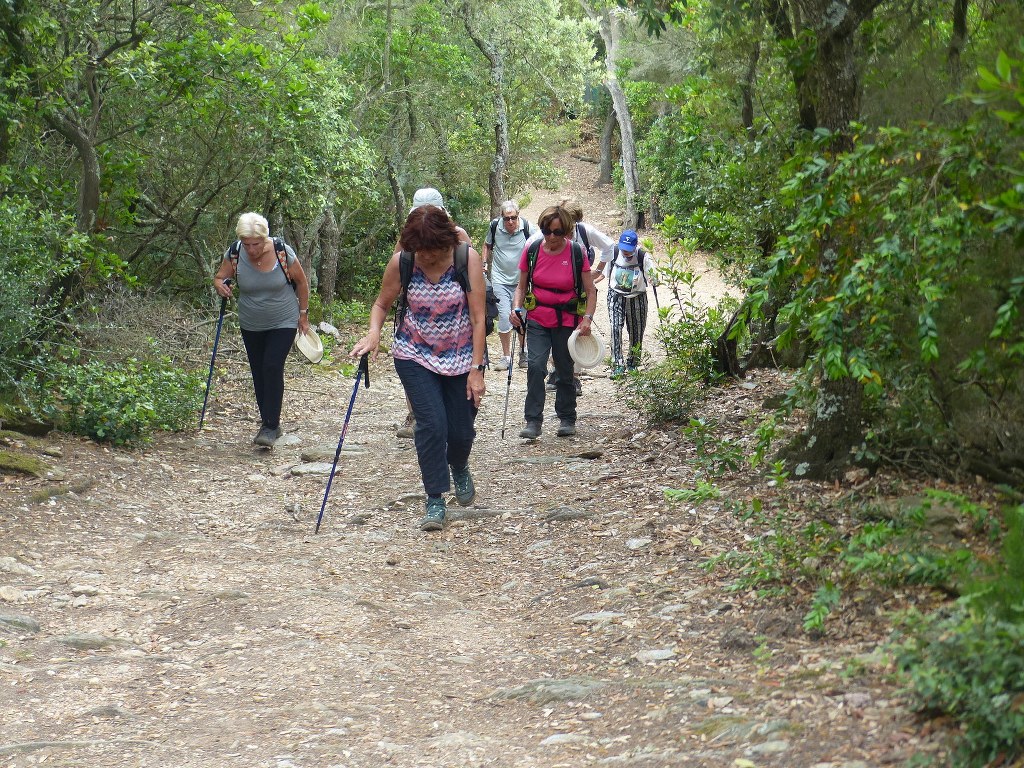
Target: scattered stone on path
{"points": [[655, 654], [16, 622], [599, 617]]}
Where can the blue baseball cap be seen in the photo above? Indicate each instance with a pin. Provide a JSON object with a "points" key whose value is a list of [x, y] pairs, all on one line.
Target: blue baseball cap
{"points": [[628, 241]]}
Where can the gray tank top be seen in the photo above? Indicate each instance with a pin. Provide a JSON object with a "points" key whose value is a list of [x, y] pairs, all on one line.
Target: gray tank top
{"points": [[265, 299]]}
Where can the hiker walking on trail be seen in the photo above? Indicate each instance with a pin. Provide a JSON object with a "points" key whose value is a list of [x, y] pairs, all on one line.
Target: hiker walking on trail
{"points": [[629, 271], [555, 295], [439, 349], [424, 196], [273, 300], [504, 244], [598, 247]]}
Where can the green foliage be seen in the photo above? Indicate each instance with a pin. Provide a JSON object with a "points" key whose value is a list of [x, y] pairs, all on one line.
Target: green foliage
{"points": [[716, 455], [716, 189], [969, 666], [998, 587], [38, 253], [701, 493], [122, 403], [671, 390], [896, 551]]}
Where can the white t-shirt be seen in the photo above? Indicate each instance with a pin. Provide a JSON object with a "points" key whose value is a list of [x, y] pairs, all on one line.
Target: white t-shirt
{"points": [[624, 274]]}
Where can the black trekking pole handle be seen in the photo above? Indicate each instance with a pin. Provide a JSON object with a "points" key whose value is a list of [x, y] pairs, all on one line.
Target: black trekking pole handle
{"points": [[216, 341], [363, 371]]}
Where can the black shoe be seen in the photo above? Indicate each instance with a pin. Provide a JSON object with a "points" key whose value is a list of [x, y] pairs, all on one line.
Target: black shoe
{"points": [[531, 431], [578, 385], [566, 428], [267, 436]]}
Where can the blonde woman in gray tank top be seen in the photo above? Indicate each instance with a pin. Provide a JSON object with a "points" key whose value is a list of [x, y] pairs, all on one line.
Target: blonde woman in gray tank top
{"points": [[273, 300]]}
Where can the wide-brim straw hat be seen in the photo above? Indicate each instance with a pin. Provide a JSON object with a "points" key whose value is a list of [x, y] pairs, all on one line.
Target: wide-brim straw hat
{"points": [[310, 345], [587, 351]]}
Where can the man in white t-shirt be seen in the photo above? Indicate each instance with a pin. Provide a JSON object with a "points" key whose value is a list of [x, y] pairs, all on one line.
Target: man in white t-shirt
{"points": [[504, 244]]}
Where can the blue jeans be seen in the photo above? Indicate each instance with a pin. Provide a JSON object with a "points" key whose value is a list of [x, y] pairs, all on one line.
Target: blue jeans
{"points": [[444, 422], [541, 342], [267, 351]]}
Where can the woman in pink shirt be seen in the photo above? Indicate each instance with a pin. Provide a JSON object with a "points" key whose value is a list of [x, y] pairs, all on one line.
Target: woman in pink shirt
{"points": [[555, 295]]}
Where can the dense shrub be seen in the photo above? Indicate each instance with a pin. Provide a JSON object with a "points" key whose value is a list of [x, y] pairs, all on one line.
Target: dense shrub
{"points": [[38, 253], [120, 403], [687, 329], [970, 664]]}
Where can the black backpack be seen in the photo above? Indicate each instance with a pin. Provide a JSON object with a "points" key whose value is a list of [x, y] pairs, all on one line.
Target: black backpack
{"points": [[582, 232], [461, 258], [279, 251], [640, 253], [494, 228], [576, 306]]}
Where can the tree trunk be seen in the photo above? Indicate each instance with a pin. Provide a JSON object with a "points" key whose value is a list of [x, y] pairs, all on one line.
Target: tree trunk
{"points": [[957, 41], [782, 26], [747, 91], [330, 237], [89, 181], [604, 174], [824, 448], [823, 451], [630, 173], [496, 66]]}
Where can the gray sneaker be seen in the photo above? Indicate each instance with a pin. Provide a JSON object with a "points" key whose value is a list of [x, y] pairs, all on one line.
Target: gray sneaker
{"points": [[566, 428], [434, 519], [409, 428], [523, 362], [531, 431], [266, 437], [465, 491]]}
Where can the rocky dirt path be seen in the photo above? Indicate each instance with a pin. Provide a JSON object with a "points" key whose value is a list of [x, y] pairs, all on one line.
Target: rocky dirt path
{"points": [[172, 606]]}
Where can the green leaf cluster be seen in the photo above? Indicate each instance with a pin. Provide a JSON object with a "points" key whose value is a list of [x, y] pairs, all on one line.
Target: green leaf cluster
{"points": [[124, 403]]}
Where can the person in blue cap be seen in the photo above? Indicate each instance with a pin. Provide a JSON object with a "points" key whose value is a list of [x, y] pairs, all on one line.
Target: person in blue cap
{"points": [[630, 270]]}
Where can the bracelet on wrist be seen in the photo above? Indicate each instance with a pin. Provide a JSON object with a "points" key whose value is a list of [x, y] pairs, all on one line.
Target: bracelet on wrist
{"points": [[303, 311]]}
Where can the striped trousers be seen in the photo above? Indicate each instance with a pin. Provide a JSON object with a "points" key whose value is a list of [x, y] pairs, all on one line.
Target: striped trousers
{"points": [[630, 311]]}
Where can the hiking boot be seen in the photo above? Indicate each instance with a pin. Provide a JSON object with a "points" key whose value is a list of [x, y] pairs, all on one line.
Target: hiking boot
{"points": [[566, 428], [502, 364], [531, 431], [577, 384], [465, 491], [523, 362], [434, 519], [409, 428], [266, 437]]}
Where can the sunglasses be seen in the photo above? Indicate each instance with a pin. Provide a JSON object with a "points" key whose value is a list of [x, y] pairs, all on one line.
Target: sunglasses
{"points": [[510, 218], [556, 232]]}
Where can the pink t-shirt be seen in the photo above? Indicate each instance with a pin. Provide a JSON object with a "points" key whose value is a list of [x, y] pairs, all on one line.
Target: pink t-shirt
{"points": [[553, 283]]}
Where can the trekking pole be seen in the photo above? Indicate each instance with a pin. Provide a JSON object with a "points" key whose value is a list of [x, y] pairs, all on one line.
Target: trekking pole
{"points": [[362, 371], [216, 341], [508, 385]]}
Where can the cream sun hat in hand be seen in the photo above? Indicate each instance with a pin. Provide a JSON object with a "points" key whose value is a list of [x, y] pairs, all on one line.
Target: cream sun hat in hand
{"points": [[310, 345], [588, 351]]}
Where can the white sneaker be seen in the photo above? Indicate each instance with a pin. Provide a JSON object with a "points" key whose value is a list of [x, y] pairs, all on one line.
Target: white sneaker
{"points": [[502, 365]]}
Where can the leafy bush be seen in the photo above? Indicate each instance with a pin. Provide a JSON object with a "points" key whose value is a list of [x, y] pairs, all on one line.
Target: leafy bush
{"points": [[896, 551], [969, 666], [122, 403], [38, 252], [670, 390]]}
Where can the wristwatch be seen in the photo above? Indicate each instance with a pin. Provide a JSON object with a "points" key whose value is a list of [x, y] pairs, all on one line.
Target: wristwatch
{"points": [[589, 317], [480, 367]]}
